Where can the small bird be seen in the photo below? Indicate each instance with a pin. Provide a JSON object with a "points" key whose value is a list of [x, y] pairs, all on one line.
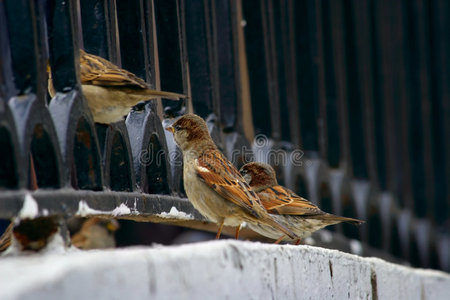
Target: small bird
{"points": [[212, 184], [287, 208], [110, 91], [29, 234], [96, 233]]}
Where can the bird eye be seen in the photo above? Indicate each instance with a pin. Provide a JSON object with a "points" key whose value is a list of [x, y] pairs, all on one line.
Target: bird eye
{"points": [[177, 127]]}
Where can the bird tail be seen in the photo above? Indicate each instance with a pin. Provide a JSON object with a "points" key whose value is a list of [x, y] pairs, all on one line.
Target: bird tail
{"points": [[270, 221], [163, 94], [339, 219]]}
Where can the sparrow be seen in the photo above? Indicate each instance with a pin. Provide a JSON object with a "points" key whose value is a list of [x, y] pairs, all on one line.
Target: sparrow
{"points": [[213, 184], [110, 91], [96, 233], [287, 208], [29, 234]]}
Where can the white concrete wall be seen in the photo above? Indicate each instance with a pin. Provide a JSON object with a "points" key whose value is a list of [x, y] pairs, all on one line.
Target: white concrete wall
{"points": [[216, 270]]}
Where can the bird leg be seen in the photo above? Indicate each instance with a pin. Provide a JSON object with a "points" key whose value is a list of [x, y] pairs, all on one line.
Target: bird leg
{"points": [[298, 242], [236, 235], [280, 239], [220, 230]]}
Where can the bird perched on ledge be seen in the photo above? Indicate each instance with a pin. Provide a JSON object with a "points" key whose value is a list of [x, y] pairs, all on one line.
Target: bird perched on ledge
{"points": [[29, 234], [96, 233], [110, 91], [287, 208], [213, 185]]}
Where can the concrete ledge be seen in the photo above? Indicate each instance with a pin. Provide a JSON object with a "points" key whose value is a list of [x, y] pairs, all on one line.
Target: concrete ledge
{"points": [[219, 269]]}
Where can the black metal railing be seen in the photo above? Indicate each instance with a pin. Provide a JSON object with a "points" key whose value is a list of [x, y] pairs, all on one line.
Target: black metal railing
{"points": [[361, 87]]}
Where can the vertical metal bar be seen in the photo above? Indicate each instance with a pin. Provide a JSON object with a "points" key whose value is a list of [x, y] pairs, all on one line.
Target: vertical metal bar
{"points": [[63, 42], [403, 69], [306, 51], [272, 75], [413, 108], [378, 104], [257, 67], [386, 25], [94, 26], [170, 51], [337, 116], [423, 37], [24, 44], [364, 56], [167, 29], [291, 74], [321, 82], [440, 105], [112, 28], [245, 116], [354, 101], [6, 73], [198, 53], [133, 37], [225, 58]]}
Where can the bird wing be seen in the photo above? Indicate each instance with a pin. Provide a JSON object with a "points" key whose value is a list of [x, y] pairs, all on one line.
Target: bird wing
{"points": [[5, 239], [280, 200], [99, 71], [79, 240], [220, 175]]}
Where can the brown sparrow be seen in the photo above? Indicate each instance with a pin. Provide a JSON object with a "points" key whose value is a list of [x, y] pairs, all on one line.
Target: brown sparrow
{"points": [[29, 234], [96, 233], [213, 185], [287, 208], [110, 91]]}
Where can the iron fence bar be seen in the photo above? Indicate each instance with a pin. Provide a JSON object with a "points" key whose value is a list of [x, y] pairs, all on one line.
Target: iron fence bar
{"points": [[423, 38], [95, 27], [200, 77], [257, 66], [306, 52], [6, 72], [440, 80], [291, 74], [171, 53]]}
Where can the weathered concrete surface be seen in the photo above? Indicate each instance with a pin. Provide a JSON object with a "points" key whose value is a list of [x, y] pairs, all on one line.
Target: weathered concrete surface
{"points": [[216, 270]]}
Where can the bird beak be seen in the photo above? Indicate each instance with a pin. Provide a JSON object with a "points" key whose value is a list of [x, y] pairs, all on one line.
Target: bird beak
{"points": [[170, 128], [112, 226]]}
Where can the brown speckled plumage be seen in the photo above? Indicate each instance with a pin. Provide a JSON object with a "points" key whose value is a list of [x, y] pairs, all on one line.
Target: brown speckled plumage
{"points": [[213, 185], [289, 209], [96, 233], [110, 91]]}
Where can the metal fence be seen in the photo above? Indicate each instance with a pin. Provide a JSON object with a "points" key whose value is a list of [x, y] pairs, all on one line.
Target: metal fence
{"points": [[360, 86]]}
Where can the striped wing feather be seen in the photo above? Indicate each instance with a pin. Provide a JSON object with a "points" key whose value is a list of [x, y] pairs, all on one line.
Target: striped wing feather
{"points": [[220, 175], [280, 200], [99, 71]]}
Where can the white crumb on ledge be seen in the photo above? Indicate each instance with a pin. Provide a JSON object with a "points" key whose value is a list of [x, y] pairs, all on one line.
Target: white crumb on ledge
{"points": [[121, 210], [326, 236], [30, 207], [356, 247], [175, 214], [309, 241], [84, 210]]}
